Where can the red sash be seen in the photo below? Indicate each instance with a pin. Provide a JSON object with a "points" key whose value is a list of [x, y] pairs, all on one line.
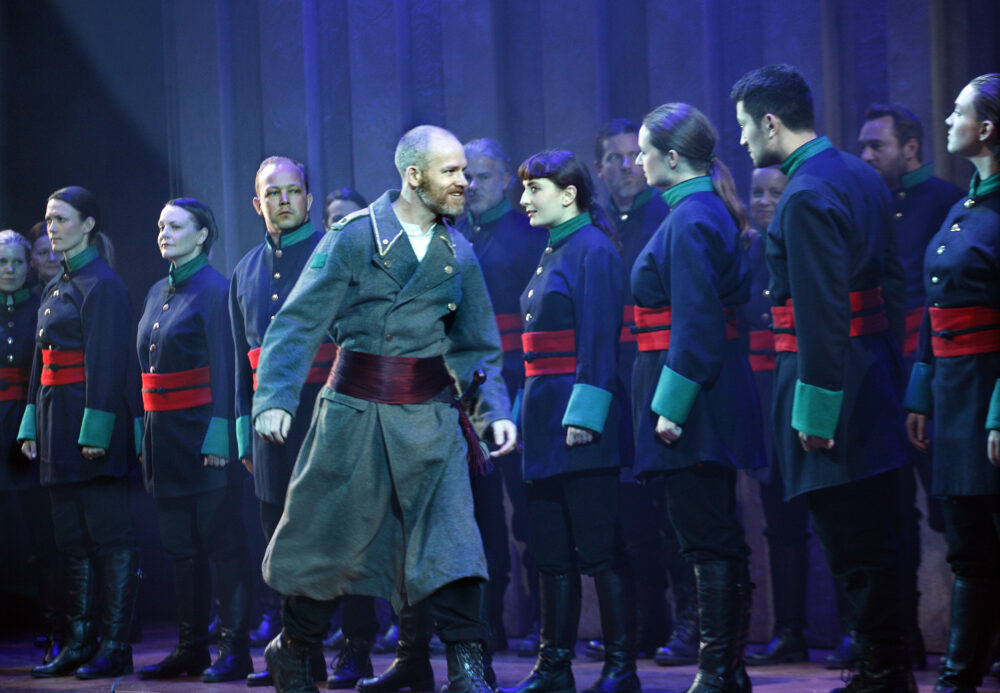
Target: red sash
{"points": [[13, 384], [509, 325], [964, 331], [628, 322], [652, 327], [912, 337], [867, 317], [317, 373], [549, 353], [62, 367], [180, 390], [762, 350]]}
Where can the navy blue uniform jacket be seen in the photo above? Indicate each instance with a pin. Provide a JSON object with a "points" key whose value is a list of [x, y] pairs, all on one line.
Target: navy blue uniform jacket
{"points": [[184, 326], [696, 264], [19, 312], [832, 234]]}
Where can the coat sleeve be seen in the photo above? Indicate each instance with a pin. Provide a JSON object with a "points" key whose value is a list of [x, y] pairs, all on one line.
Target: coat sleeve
{"points": [[27, 430], [919, 397], [293, 338], [598, 302], [242, 374], [698, 325], [218, 341], [105, 315]]}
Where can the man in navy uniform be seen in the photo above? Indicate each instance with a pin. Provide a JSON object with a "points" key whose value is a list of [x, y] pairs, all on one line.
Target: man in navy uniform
{"points": [[837, 297]]}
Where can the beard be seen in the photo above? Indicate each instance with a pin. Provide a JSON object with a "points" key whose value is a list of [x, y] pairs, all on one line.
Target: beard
{"points": [[439, 200]]}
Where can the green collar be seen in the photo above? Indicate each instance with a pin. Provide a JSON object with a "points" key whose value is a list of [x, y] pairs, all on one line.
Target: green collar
{"points": [[81, 259], [638, 201], [912, 179], [491, 214], [178, 275], [568, 228], [982, 188], [808, 150], [19, 296], [673, 195], [288, 238]]}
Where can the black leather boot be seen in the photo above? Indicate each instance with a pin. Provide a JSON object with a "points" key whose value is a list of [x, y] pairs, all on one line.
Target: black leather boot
{"points": [[270, 619], [496, 587], [81, 631], [560, 612], [190, 658], [289, 661], [470, 668], [970, 635], [789, 571], [354, 662], [880, 668], [616, 600], [121, 585], [722, 600], [51, 596], [234, 587], [412, 666], [317, 662], [682, 647]]}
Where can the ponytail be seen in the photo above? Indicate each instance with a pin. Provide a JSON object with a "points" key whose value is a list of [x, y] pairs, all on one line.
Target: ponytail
{"points": [[722, 182], [602, 222]]}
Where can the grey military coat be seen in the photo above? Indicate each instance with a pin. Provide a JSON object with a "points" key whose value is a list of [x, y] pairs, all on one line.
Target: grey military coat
{"points": [[379, 501]]}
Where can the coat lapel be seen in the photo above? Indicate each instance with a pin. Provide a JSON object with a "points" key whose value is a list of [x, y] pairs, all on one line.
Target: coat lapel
{"points": [[393, 253], [439, 265]]}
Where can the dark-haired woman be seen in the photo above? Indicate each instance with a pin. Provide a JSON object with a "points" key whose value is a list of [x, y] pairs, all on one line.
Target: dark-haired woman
{"points": [[44, 261], [572, 310], [77, 425], [695, 407], [957, 381], [185, 352], [339, 204]]}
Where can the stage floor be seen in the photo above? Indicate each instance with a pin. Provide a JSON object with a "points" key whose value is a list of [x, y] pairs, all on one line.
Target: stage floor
{"points": [[16, 659]]}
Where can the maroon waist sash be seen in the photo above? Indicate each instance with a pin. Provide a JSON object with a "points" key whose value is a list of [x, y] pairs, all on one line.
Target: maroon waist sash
{"points": [[403, 380]]}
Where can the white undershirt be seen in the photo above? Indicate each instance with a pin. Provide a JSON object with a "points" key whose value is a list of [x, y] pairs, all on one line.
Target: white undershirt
{"points": [[418, 239]]}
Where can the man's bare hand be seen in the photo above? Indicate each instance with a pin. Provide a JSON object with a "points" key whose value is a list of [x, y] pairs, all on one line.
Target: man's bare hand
{"points": [[29, 449], [504, 437], [916, 430], [578, 436], [668, 431], [273, 424], [993, 448], [215, 461], [247, 461], [810, 443], [92, 453]]}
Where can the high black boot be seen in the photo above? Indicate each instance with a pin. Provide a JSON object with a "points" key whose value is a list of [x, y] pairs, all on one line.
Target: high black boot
{"points": [[470, 668], [789, 570], [289, 661], [722, 599], [51, 595], [354, 663], [121, 585], [317, 662], [412, 666], [496, 587], [560, 612], [194, 595], [845, 653], [81, 630], [616, 600], [882, 667], [970, 635], [682, 647], [234, 661]]}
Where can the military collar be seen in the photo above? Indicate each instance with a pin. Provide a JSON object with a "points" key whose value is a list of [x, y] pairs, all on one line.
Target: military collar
{"points": [[808, 150], [673, 195], [566, 229], [179, 275], [288, 238], [912, 179], [388, 230], [491, 214], [19, 296], [638, 202], [80, 260], [983, 188]]}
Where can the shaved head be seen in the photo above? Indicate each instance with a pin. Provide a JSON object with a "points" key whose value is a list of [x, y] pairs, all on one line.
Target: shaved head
{"points": [[414, 148]]}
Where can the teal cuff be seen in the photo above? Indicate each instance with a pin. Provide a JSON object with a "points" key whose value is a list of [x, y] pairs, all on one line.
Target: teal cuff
{"points": [[244, 440], [815, 411], [96, 428], [216, 438], [918, 391], [27, 429], [588, 408], [515, 410], [674, 396], [993, 417], [138, 424]]}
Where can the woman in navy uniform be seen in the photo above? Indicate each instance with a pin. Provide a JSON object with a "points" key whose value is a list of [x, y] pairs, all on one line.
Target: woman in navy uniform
{"points": [[956, 380], [76, 424], [187, 442], [695, 408], [572, 309]]}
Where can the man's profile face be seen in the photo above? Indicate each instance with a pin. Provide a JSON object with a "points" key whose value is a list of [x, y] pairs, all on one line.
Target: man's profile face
{"points": [[880, 149], [617, 167], [442, 184], [282, 198], [755, 139], [488, 179]]}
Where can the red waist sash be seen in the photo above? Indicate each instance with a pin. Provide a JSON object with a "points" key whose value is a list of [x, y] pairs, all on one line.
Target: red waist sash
{"points": [[912, 336], [964, 331], [13, 384], [317, 373], [762, 350], [628, 322], [867, 317], [62, 367], [652, 327], [549, 353], [180, 390], [509, 325]]}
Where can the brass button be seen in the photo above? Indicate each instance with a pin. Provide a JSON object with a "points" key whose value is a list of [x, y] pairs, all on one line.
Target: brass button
{"points": [[968, 204], [956, 227], [527, 318], [388, 338], [152, 347], [767, 292], [940, 250], [65, 277], [388, 264], [272, 318], [274, 297], [899, 215], [56, 292], [152, 369], [277, 275], [548, 250], [476, 228], [10, 358], [10, 340], [41, 331], [165, 306], [937, 304], [901, 195], [452, 306], [156, 325], [531, 292], [538, 271], [385, 241], [765, 316], [47, 311], [448, 269], [935, 279], [278, 253]]}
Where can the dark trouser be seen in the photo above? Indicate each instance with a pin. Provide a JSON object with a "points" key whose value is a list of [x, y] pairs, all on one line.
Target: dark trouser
{"points": [[788, 542], [573, 521], [702, 505], [455, 609], [972, 530], [91, 518], [908, 529], [270, 515], [487, 497], [207, 524], [856, 523]]}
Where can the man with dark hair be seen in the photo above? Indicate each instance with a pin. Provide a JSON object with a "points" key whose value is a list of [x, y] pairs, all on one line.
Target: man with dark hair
{"points": [[636, 212], [380, 501], [890, 141], [837, 296]]}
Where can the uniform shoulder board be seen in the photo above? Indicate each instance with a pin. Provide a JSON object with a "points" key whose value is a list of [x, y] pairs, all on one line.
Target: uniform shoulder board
{"points": [[344, 221]]}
